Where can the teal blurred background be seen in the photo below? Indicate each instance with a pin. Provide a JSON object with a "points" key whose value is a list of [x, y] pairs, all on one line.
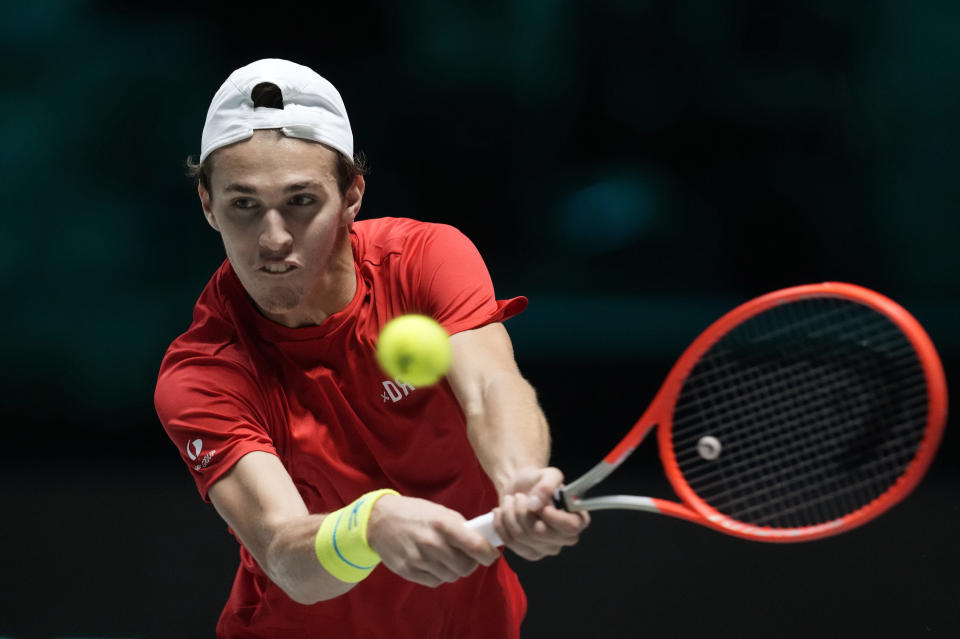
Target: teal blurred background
{"points": [[635, 168]]}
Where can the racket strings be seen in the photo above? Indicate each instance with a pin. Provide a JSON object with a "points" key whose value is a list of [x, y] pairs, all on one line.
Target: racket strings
{"points": [[759, 437], [819, 406], [780, 494], [785, 496], [891, 383], [857, 493], [784, 491], [786, 380], [762, 410], [721, 376], [763, 457]]}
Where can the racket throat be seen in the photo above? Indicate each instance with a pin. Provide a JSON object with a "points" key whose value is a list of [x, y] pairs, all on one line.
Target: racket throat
{"points": [[570, 497], [617, 502], [573, 503]]}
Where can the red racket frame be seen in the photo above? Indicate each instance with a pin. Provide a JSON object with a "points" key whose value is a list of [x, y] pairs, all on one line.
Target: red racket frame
{"points": [[660, 413]]}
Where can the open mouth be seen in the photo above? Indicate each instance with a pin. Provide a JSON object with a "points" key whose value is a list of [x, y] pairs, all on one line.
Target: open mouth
{"points": [[277, 269]]}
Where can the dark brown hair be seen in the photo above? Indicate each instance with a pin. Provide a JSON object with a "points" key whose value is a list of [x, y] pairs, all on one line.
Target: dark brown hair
{"points": [[346, 171], [267, 94]]}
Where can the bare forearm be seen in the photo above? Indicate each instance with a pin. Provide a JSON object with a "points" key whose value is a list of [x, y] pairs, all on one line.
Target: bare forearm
{"points": [[507, 428], [419, 540], [510, 436], [290, 561]]}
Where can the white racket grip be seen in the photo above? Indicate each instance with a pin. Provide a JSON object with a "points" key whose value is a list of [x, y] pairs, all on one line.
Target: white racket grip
{"points": [[484, 525]]}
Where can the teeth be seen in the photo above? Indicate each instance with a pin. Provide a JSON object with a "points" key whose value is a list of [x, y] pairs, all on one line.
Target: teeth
{"points": [[277, 268]]}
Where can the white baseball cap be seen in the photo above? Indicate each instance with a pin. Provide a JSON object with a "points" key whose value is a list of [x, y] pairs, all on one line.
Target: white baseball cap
{"points": [[312, 108]]}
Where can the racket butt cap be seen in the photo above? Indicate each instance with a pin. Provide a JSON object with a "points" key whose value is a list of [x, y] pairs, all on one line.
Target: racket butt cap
{"points": [[559, 501]]}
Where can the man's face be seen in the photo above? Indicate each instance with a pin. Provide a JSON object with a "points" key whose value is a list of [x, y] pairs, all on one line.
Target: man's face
{"points": [[284, 224]]}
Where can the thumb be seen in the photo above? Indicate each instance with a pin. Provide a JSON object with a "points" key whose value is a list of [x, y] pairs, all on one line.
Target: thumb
{"points": [[547, 484]]}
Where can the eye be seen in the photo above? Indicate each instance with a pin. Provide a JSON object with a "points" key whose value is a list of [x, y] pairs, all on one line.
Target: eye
{"points": [[244, 203], [302, 199]]}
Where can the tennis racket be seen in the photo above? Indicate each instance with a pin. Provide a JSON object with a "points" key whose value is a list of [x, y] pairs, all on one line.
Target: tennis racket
{"points": [[801, 414]]}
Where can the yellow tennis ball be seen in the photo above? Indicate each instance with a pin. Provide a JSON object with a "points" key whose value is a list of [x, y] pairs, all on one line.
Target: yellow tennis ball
{"points": [[414, 349]]}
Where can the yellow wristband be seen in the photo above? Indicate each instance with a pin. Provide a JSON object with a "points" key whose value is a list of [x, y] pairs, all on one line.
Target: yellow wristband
{"points": [[341, 543]]}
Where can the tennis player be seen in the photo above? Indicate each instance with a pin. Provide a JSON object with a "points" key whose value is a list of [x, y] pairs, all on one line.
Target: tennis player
{"points": [[321, 465]]}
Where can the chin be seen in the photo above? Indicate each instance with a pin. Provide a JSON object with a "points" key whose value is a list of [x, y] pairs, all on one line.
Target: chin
{"points": [[279, 300]]}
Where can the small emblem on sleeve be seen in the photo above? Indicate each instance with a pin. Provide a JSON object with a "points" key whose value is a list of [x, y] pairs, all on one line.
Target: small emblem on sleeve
{"points": [[205, 461], [194, 448]]}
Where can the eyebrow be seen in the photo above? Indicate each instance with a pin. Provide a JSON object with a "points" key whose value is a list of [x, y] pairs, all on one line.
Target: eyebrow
{"points": [[290, 188]]}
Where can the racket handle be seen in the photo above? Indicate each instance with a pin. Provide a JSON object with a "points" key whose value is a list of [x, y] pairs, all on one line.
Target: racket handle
{"points": [[484, 525]]}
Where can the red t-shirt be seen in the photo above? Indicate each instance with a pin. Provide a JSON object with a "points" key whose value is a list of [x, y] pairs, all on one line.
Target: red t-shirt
{"points": [[237, 382]]}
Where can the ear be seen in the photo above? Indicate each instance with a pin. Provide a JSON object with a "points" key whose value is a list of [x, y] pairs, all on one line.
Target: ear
{"points": [[352, 200], [205, 203]]}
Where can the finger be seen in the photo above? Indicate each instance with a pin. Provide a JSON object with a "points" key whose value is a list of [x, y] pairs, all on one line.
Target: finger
{"points": [[540, 528], [421, 577], [412, 569], [534, 552], [521, 503], [563, 522], [521, 524], [498, 526], [554, 528], [545, 540], [437, 556], [449, 569], [440, 560], [466, 565], [547, 484], [426, 565], [515, 517], [471, 545], [509, 528], [505, 520], [456, 561]]}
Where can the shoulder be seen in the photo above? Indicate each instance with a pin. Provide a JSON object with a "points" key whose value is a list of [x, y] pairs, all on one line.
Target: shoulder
{"points": [[208, 357], [192, 377], [380, 237]]}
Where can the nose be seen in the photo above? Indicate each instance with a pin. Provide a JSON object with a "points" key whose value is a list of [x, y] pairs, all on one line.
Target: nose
{"points": [[275, 239]]}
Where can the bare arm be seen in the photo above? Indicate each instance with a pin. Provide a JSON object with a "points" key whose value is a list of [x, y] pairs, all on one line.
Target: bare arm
{"points": [[505, 425], [510, 435], [417, 539], [259, 501]]}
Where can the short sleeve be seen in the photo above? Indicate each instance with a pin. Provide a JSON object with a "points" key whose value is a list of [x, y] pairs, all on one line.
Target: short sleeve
{"points": [[455, 285], [213, 413]]}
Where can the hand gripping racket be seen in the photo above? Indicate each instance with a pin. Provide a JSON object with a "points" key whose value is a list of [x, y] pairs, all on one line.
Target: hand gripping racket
{"points": [[800, 414]]}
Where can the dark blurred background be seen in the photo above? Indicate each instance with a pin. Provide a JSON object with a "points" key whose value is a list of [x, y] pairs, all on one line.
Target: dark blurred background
{"points": [[635, 168]]}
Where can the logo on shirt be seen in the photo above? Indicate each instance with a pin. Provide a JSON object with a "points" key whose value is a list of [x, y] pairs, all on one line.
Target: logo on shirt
{"points": [[395, 390], [194, 449]]}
